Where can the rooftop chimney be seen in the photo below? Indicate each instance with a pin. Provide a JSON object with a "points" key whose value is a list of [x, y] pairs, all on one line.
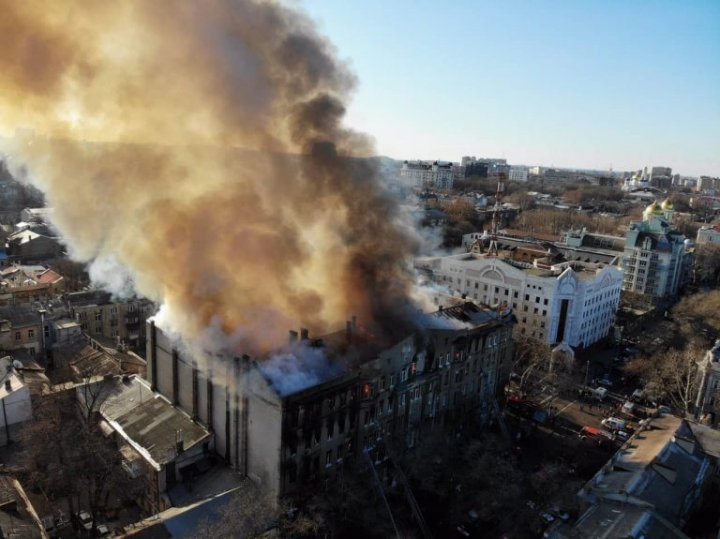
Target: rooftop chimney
{"points": [[348, 330], [304, 334], [179, 442], [8, 385], [354, 322], [293, 337]]}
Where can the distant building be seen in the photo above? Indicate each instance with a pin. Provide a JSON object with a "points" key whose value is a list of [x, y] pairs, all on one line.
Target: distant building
{"points": [[424, 174], [654, 256], [709, 234], [639, 180], [661, 177], [707, 184], [485, 167], [518, 174]]}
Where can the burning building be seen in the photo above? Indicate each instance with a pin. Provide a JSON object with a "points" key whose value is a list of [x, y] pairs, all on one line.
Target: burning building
{"points": [[297, 417]]}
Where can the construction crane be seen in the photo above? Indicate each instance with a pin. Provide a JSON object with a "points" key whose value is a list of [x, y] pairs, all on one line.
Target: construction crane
{"points": [[493, 247]]}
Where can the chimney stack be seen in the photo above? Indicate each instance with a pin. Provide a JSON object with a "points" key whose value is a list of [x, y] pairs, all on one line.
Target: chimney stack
{"points": [[8, 385], [304, 334], [179, 442], [348, 331], [354, 323], [293, 337]]}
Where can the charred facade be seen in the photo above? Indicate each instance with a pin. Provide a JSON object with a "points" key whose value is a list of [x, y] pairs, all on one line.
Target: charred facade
{"points": [[365, 397]]}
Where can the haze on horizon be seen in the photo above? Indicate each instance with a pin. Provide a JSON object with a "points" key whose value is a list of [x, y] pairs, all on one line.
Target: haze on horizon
{"points": [[565, 83]]}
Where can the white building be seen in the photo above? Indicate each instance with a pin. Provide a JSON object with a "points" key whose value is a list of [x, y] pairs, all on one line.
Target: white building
{"points": [[708, 395], [424, 174], [518, 174], [14, 400], [654, 254], [709, 234], [566, 302]]}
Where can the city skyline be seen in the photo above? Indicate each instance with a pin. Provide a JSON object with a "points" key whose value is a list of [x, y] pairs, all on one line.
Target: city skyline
{"points": [[621, 85]]}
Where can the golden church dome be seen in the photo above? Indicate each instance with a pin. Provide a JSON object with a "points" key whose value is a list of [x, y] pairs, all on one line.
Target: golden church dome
{"points": [[667, 204]]}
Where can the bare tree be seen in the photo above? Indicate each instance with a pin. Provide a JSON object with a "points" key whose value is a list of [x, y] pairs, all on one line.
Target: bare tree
{"points": [[671, 376], [707, 263], [532, 361]]}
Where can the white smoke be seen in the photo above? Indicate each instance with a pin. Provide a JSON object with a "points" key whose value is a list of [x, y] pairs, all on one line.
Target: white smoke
{"points": [[299, 368]]}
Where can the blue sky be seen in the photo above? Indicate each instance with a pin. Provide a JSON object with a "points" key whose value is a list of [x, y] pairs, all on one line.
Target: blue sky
{"points": [[572, 83]]}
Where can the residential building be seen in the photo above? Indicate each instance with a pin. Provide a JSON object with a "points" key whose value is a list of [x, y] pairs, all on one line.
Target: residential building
{"points": [[649, 487], [655, 256], [20, 332], [23, 285], [31, 245], [14, 400], [554, 293], [159, 443], [425, 174], [122, 320], [299, 416], [80, 358], [709, 234]]}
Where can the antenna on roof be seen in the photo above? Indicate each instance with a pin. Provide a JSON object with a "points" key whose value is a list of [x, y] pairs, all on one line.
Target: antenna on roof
{"points": [[493, 248]]}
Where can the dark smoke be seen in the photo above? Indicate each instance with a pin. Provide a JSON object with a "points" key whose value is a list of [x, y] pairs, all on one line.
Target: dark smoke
{"points": [[140, 109]]}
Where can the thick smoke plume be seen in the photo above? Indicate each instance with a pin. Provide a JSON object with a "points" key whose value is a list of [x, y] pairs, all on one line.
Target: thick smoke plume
{"points": [[144, 107]]}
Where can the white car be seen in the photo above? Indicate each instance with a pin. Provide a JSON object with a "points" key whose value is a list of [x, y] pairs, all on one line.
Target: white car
{"points": [[85, 520], [613, 423]]}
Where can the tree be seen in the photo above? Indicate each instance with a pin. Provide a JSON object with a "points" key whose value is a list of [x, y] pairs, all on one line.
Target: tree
{"points": [[531, 362], [65, 453], [671, 376], [707, 263]]}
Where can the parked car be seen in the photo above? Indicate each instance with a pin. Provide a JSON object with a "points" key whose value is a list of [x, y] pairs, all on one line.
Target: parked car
{"points": [[85, 520], [605, 381], [613, 423]]}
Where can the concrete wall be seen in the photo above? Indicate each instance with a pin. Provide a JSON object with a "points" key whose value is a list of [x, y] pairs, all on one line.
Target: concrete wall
{"points": [[265, 419]]}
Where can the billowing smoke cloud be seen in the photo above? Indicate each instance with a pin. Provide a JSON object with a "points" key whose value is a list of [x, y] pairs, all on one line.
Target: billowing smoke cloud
{"points": [[145, 106]]}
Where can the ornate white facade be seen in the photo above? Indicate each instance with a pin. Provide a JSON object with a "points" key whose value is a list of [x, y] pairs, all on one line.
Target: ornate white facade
{"points": [[567, 303]]}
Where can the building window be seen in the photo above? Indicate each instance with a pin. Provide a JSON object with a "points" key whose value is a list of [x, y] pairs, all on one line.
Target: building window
{"points": [[328, 458], [98, 316], [31, 333], [545, 301], [527, 297], [18, 336]]}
